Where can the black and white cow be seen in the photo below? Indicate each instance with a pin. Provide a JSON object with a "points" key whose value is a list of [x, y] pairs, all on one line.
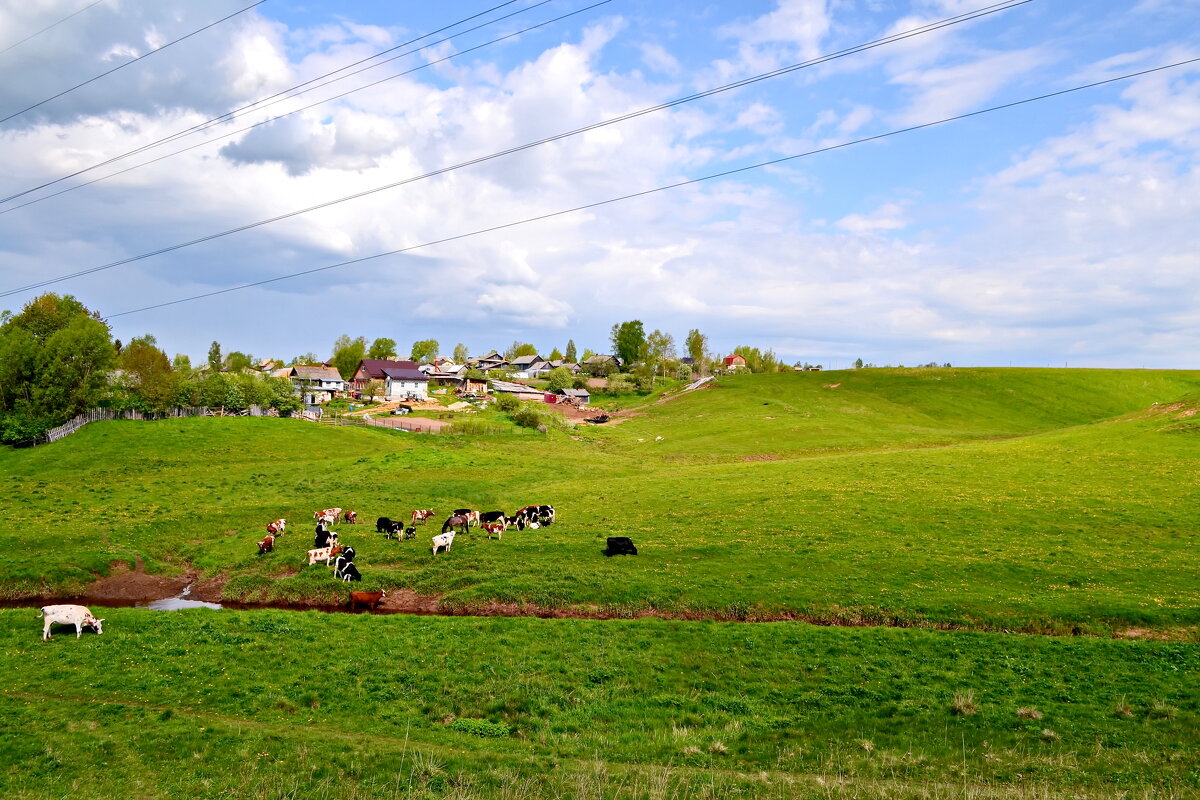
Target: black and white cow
{"points": [[351, 573]]}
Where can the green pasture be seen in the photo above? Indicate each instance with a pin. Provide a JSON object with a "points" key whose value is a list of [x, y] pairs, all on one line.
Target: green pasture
{"points": [[279, 704], [1033, 500]]}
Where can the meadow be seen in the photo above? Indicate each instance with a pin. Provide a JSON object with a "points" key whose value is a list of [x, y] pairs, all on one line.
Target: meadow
{"points": [[988, 507]]}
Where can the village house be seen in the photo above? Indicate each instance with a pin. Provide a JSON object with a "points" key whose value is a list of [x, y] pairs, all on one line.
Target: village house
{"points": [[518, 390], [316, 383], [371, 369], [581, 397], [734, 362], [606, 362], [405, 384], [492, 360]]}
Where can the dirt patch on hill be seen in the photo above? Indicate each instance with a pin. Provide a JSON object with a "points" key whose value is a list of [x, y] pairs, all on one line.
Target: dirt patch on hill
{"points": [[125, 585]]}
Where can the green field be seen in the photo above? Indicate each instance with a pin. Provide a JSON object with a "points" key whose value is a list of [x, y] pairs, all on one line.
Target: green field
{"points": [[990, 503]]}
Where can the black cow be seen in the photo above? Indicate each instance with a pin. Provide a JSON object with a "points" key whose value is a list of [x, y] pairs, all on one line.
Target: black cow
{"points": [[351, 573], [492, 516], [410, 532], [323, 538], [620, 546], [384, 525], [348, 552]]}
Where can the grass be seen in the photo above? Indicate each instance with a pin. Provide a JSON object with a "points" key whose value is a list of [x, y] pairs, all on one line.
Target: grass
{"points": [[977, 501], [348, 706]]}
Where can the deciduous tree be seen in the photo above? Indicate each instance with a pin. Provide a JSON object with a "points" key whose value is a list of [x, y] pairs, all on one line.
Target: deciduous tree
{"points": [[424, 350], [382, 348], [347, 353], [627, 340]]}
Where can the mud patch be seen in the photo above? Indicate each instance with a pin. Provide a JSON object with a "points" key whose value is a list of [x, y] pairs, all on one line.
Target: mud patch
{"points": [[761, 457], [135, 586]]}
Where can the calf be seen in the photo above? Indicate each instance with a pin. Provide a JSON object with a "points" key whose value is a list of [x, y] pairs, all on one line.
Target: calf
{"points": [[620, 546], [351, 573], [493, 527], [351, 517], [266, 545], [277, 527], [410, 532], [421, 514], [79, 616], [370, 600], [443, 541], [325, 554]]}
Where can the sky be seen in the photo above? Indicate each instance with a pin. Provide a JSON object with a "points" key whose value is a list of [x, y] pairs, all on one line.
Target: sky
{"points": [[1061, 232]]}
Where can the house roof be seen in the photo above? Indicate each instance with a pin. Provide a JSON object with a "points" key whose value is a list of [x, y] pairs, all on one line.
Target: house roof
{"points": [[374, 366], [526, 361], [316, 372], [514, 388], [575, 393], [598, 359], [730, 359], [404, 374]]}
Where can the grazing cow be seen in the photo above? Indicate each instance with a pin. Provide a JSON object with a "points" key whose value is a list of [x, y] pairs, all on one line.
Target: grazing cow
{"points": [[351, 573], [79, 616], [443, 541], [492, 516], [351, 517], [277, 527], [472, 516], [387, 525], [369, 600], [266, 545], [325, 554], [410, 532], [421, 514], [620, 546], [328, 515], [493, 527], [457, 521]]}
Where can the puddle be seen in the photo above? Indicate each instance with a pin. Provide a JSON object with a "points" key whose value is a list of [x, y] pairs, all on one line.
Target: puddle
{"points": [[178, 602]]}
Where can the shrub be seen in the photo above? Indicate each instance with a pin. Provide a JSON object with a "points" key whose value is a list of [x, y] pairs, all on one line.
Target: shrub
{"points": [[963, 703], [1028, 713], [527, 418], [507, 403], [480, 727]]}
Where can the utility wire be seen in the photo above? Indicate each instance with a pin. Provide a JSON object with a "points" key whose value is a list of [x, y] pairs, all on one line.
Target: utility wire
{"points": [[647, 192], [293, 111], [527, 146], [133, 61], [263, 102], [48, 27]]}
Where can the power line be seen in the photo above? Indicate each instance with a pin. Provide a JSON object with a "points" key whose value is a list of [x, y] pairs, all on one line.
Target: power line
{"points": [[262, 102], [48, 27], [646, 192], [737, 84], [134, 61], [293, 111]]}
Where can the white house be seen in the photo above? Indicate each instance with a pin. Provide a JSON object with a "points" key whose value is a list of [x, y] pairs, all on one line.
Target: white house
{"points": [[405, 384], [316, 383]]}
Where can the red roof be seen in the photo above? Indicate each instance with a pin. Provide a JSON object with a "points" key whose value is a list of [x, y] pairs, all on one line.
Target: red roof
{"points": [[730, 360]]}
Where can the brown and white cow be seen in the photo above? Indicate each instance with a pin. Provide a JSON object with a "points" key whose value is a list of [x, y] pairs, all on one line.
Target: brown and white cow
{"points": [[421, 514], [267, 544], [277, 528], [493, 527], [351, 517], [325, 554]]}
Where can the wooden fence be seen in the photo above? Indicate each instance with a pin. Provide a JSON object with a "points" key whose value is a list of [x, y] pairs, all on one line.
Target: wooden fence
{"points": [[96, 414]]}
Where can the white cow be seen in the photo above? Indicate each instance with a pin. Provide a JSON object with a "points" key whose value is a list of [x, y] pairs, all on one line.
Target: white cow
{"points": [[325, 554], [443, 540], [79, 616]]}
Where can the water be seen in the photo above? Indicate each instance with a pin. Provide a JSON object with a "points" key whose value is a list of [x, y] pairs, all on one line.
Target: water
{"points": [[178, 602]]}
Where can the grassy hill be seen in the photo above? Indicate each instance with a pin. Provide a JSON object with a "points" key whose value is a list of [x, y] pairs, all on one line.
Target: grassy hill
{"points": [[993, 499], [976, 500]]}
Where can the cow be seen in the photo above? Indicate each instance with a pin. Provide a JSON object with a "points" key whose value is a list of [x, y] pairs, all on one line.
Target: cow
{"points": [[267, 544], [410, 532], [277, 527], [457, 521], [493, 527], [472, 516], [421, 514], [325, 538], [491, 516], [328, 515], [351, 573], [79, 616], [443, 541], [325, 554], [349, 552], [389, 527], [368, 599], [620, 546], [351, 517]]}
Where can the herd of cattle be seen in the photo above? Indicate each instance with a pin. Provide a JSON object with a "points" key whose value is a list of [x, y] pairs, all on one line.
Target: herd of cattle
{"points": [[327, 548]]}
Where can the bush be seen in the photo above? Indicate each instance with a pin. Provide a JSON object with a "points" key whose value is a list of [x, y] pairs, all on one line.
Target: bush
{"points": [[480, 727], [507, 403], [527, 418]]}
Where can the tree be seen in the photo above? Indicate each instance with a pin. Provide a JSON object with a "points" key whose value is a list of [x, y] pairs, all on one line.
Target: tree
{"points": [[150, 374], [182, 363], [214, 356], [424, 350], [555, 355], [382, 348], [375, 388], [518, 349], [237, 361], [627, 340], [570, 354], [461, 353], [54, 362], [559, 378], [858, 363], [347, 353], [697, 348], [658, 348], [307, 358]]}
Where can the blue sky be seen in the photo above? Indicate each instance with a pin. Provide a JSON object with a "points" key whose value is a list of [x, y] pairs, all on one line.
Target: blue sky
{"points": [[1062, 232]]}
